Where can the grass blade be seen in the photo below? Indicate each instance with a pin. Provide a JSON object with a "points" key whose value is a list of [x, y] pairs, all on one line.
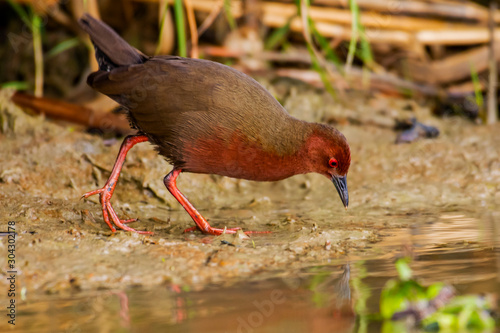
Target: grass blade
{"points": [[354, 34], [18, 85], [36, 27], [229, 14], [63, 46], [325, 46], [181, 31], [164, 12], [278, 36], [477, 90], [21, 12], [322, 73], [318, 62], [358, 33]]}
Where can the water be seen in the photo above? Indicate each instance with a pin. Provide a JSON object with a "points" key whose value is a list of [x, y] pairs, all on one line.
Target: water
{"points": [[458, 248]]}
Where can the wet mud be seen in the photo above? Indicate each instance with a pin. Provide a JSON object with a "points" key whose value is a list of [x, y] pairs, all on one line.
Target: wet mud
{"points": [[64, 247]]}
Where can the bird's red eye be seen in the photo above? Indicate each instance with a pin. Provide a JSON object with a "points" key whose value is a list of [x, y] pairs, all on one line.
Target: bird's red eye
{"points": [[333, 163]]}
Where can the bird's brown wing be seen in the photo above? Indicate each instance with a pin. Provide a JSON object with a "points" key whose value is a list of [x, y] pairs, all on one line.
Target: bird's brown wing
{"points": [[177, 101]]}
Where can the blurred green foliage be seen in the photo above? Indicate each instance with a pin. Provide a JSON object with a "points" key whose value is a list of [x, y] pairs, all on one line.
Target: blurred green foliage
{"points": [[433, 307]]}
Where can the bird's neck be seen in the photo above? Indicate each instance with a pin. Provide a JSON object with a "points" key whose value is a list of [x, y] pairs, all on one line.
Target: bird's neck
{"points": [[296, 148]]}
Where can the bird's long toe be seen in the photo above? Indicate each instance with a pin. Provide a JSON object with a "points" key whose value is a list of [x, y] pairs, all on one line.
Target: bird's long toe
{"points": [[121, 223], [129, 220], [108, 212], [91, 193], [219, 231]]}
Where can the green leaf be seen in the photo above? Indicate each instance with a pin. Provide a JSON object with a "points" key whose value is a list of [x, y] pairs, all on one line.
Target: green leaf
{"points": [[398, 296], [404, 270], [462, 313], [391, 299], [434, 289], [390, 326], [439, 321], [18, 85], [477, 86], [63, 46], [278, 36]]}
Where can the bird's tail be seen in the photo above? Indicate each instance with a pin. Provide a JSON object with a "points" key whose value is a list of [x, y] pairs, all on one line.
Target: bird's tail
{"points": [[111, 51]]}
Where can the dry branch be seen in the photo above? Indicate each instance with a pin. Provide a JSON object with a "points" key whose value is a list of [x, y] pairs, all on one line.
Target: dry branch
{"points": [[384, 82], [74, 113], [452, 68], [380, 28], [368, 19], [445, 9], [409, 26]]}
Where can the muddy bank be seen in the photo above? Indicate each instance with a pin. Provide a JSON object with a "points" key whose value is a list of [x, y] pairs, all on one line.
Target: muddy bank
{"points": [[63, 245]]}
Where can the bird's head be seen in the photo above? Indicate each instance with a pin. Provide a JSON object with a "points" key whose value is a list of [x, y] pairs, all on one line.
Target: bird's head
{"points": [[330, 155]]}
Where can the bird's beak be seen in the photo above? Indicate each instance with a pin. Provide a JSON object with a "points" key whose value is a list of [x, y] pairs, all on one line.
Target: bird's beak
{"points": [[341, 186]]}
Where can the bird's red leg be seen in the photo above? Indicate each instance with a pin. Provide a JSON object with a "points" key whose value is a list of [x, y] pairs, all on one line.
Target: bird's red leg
{"points": [[106, 192], [201, 223]]}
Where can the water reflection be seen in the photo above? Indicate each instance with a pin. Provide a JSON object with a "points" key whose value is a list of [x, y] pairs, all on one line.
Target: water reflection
{"points": [[454, 248]]}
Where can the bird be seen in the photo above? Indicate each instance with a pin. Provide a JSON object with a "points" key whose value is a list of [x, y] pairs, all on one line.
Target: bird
{"points": [[207, 118]]}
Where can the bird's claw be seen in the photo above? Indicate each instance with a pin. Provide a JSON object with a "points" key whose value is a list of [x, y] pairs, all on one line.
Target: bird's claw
{"points": [[108, 211]]}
